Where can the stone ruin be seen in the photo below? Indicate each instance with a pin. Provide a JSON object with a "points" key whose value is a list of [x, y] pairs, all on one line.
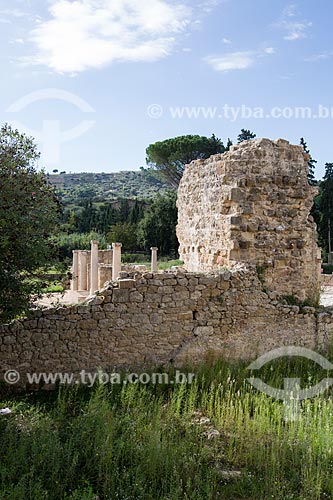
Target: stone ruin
{"points": [[91, 269], [252, 205], [246, 238]]}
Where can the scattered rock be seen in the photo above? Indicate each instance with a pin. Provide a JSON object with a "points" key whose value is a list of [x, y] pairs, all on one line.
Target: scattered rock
{"points": [[5, 411], [230, 474], [212, 434]]}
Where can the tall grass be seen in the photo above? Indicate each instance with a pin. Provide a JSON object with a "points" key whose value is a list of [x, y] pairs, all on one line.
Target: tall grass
{"points": [[134, 442]]}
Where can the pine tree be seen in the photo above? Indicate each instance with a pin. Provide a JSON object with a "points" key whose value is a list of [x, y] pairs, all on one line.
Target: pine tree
{"points": [[245, 135], [229, 144], [136, 213], [311, 163], [124, 210], [326, 208]]}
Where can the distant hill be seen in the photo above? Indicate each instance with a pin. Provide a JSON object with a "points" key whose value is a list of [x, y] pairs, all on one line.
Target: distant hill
{"points": [[102, 187]]}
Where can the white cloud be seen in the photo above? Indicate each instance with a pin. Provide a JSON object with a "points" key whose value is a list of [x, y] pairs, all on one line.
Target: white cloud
{"points": [[226, 41], [7, 16], [84, 34], [231, 61], [295, 29], [12, 13], [290, 10], [209, 5], [20, 41], [237, 60], [319, 57]]}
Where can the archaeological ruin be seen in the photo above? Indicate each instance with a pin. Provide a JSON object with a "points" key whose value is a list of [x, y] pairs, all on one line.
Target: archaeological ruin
{"points": [[250, 281], [91, 269], [252, 205]]}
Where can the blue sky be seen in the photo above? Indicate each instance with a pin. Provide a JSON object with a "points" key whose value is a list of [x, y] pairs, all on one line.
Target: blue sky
{"points": [[97, 81]]}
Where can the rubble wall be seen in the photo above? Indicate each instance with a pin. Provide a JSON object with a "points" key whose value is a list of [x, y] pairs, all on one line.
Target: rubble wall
{"points": [[161, 319]]}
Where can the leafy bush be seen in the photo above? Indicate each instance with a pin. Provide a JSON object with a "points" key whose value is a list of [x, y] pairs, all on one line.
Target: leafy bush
{"points": [[134, 258], [64, 244], [327, 268]]}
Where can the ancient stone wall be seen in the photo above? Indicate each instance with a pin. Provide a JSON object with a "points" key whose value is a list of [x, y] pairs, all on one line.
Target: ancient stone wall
{"points": [[247, 240], [157, 319], [252, 205]]}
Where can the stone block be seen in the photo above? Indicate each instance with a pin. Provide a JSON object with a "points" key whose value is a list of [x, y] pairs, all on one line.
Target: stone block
{"points": [[126, 284], [203, 331], [120, 296]]}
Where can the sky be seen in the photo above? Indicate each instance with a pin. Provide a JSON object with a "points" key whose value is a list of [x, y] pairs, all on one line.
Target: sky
{"points": [[97, 81]]}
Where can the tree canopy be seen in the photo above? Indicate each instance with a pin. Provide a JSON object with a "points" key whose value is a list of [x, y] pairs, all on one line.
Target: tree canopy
{"points": [[311, 163], [158, 226], [169, 157], [325, 206], [245, 135], [29, 212], [126, 233]]}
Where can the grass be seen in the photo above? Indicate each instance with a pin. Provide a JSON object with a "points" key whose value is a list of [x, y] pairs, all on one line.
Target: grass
{"points": [[162, 264], [54, 288], [135, 442]]}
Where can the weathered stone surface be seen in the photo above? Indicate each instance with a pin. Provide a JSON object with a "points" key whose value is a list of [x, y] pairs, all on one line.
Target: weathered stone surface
{"points": [[126, 283], [203, 330], [239, 320], [252, 205]]}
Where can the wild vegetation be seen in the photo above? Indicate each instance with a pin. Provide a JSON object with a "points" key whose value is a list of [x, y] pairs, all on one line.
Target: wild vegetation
{"points": [[215, 439], [101, 187]]}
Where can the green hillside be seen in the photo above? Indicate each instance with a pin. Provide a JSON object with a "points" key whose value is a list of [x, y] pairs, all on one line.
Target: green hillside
{"points": [[101, 187]]}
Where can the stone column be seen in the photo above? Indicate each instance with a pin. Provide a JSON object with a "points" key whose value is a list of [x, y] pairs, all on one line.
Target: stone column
{"points": [[154, 259], [83, 285], [116, 260], [75, 271], [94, 267]]}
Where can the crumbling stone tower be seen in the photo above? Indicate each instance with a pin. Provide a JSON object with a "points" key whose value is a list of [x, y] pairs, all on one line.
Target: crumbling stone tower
{"points": [[252, 204]]}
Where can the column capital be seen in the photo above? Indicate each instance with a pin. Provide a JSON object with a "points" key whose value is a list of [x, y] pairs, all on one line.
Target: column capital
{"points": [[154, 248], [117, 245]]}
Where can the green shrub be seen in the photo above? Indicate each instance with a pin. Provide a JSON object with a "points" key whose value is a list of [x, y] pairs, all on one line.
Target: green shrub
{"points": [[64, 243], [137, 258], [327, 268]]}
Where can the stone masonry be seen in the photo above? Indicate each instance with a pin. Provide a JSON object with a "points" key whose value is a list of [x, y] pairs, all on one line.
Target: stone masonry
{"points": [[157, 319], [252, 205], [247, 240]]}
